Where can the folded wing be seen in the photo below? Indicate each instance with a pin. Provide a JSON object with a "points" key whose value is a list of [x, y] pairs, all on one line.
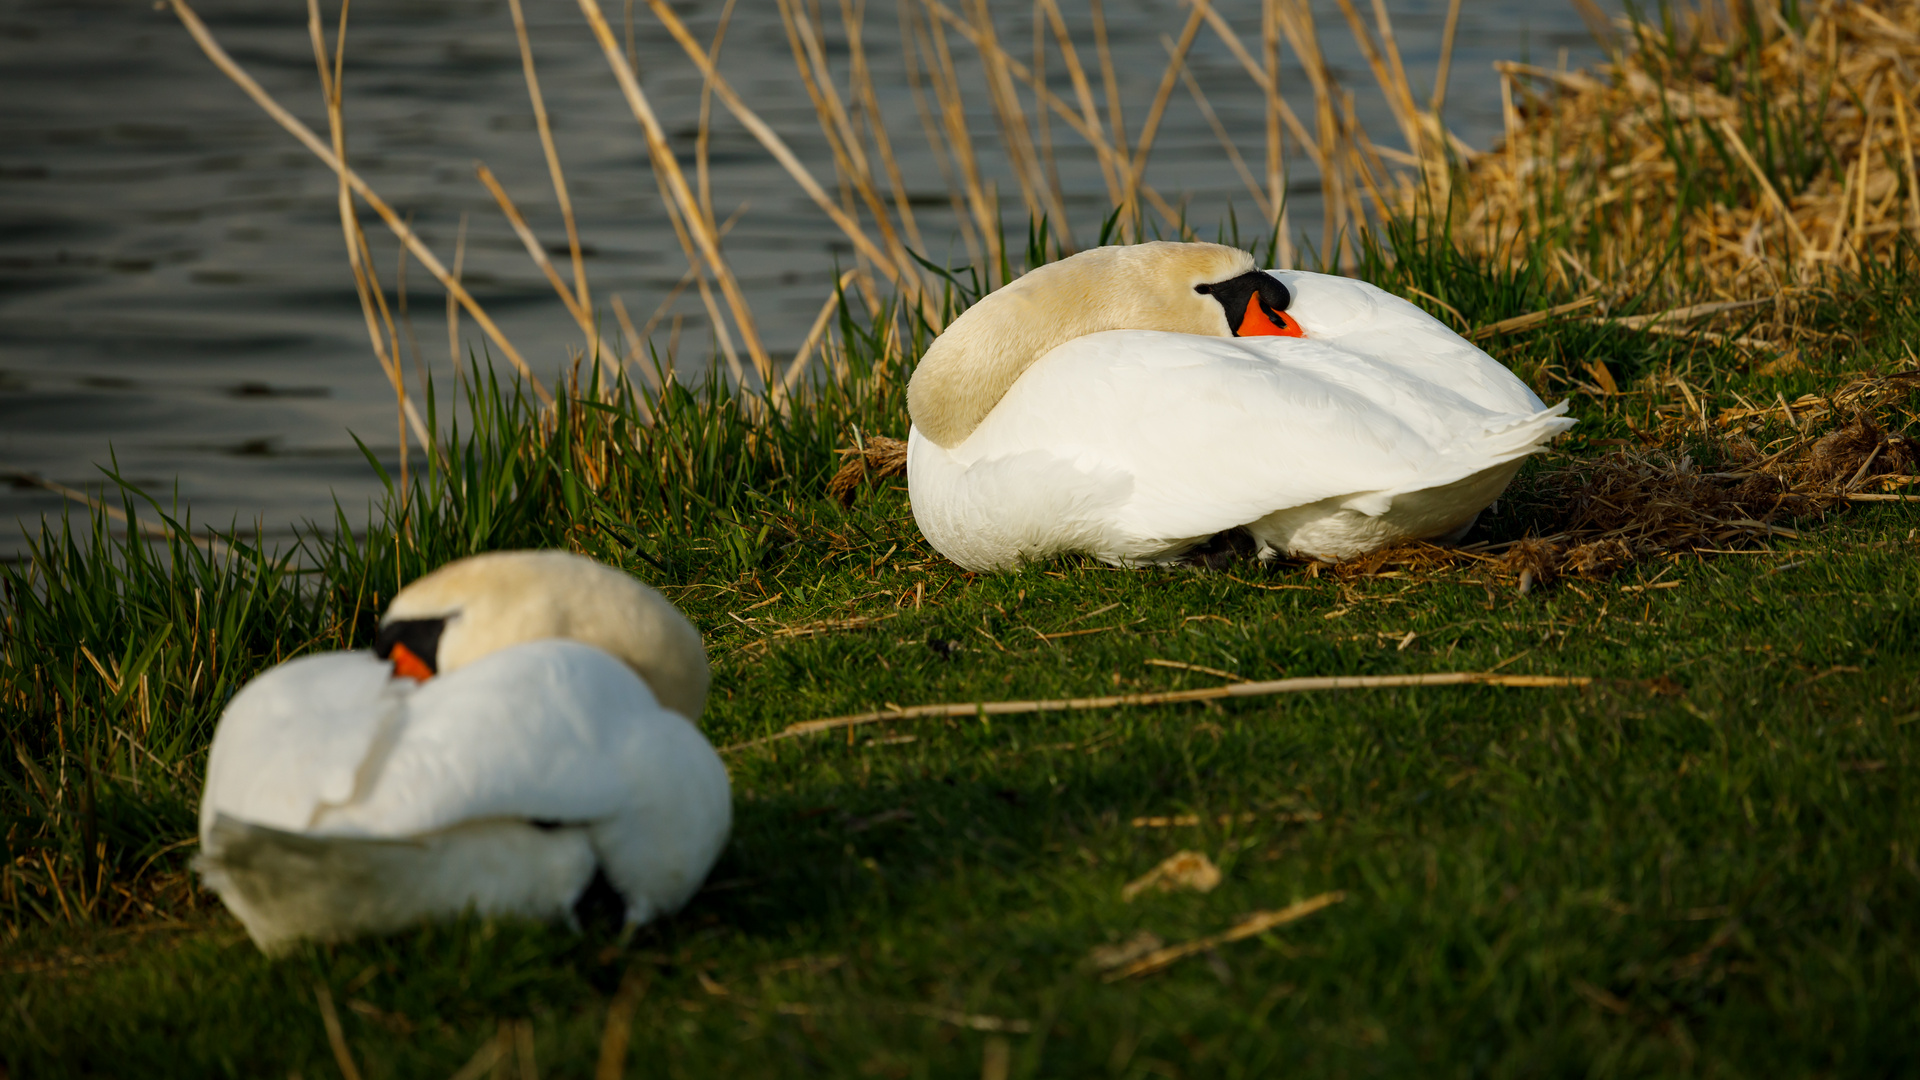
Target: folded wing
{"points": [[551, 730], [1204, 434], [295, 740]]}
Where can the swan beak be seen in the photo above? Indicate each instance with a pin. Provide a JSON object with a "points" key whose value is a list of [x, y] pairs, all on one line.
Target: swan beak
{"points": [[408, 666], [1259, 321], [412, 645]]}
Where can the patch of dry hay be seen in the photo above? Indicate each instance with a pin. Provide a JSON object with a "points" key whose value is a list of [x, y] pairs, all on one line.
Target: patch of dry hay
{"points": [[1631, 504], [878, 458], [1772, 155]]}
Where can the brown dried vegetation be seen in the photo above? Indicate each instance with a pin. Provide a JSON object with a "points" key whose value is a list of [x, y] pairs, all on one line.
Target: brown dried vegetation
{"points": [[1600, 515], [874, 459], [1762, 156]]}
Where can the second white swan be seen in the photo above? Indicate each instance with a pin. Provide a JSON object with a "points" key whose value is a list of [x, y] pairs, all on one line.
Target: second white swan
{"points": [[525, 723], [1132, 402]]}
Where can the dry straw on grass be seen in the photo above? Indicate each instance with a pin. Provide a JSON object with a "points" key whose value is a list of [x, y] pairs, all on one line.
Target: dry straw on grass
{"points": [[1311, 684], [1188, 870], [1655, 498], [1257, 923], [872, 459]]}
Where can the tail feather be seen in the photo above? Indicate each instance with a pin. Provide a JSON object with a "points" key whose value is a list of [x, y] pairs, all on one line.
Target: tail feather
{"points": [[1525, 434], [286, 886], [1498, 445]]}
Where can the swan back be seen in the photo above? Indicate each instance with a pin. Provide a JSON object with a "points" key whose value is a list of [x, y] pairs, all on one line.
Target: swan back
{"points": [[970, 366], [500, 786], [490, 602]]}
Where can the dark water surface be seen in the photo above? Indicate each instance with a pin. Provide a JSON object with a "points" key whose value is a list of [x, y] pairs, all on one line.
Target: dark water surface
{"points": [[173, 286]]}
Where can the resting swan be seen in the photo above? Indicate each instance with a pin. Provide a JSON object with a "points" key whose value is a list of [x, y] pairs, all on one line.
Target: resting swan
{"points": [[1132, 402], [524, 722]]}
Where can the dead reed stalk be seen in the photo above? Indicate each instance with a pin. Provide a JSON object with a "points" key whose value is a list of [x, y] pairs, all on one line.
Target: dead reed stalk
{"points": [[1209, 693], [386, 348], [205, 39], [873, 210], [703, 229]]}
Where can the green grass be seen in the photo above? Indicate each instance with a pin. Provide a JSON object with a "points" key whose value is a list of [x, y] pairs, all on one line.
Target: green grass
{"points": [[1538, 881], [1620, 880]]}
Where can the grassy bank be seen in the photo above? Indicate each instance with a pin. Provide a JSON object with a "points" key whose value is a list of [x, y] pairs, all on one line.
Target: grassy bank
{"points": [[1702, 862]]}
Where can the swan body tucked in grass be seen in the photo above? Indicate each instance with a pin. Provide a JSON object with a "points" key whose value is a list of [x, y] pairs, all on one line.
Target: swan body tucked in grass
{"points": [[525, 722], [1132, 402]]}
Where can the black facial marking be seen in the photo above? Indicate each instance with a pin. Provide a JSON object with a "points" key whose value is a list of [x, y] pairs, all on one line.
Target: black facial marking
{"points": [[1234, 294], [420, 636]]}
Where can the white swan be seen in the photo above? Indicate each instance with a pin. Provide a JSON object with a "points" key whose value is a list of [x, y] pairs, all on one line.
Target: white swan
{"points": [[525, 721], [1132, 402]]}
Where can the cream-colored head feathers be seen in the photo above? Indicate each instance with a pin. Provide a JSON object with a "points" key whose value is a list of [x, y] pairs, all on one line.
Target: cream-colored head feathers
{"points": [[1139, 287], [505, 598]]}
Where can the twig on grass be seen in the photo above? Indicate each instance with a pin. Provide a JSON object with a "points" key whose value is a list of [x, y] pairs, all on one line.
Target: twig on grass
{"points": [[955, 1017], [1077, 633], [1258, 923], [971, 1021], [336, 1038], [619, 1028], [1531, 318], [482, 1062], [1176, 821], [1269, 588], [1193, 667], [813, 629], [1243, 689]]}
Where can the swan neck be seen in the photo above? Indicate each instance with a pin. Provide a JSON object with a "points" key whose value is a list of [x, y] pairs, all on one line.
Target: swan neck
{"points": [[972, 365]]}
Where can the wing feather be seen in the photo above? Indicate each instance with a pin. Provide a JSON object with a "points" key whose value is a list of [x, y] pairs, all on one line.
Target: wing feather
{"points": [[294, 739], [1217, 432], [548, 730]]}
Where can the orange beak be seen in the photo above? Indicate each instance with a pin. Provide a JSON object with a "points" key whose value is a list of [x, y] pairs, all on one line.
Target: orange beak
{"points": [[1256, 323], [408, 666]]}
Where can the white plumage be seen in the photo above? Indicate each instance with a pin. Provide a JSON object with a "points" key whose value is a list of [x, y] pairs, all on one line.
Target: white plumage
{"points": [[1134, 445], [343, 799]]}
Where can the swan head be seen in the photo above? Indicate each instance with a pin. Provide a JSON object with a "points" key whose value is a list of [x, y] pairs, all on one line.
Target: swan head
{"points": [[1208, 289], [480, 605]]}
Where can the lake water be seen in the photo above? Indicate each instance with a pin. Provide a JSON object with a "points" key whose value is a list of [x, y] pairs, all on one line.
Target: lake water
{"points": [[173, 288]]}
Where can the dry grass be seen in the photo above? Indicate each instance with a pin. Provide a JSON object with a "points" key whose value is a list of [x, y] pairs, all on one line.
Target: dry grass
{"points": [[1603, 514], [871, 460], [1729, 157]]}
